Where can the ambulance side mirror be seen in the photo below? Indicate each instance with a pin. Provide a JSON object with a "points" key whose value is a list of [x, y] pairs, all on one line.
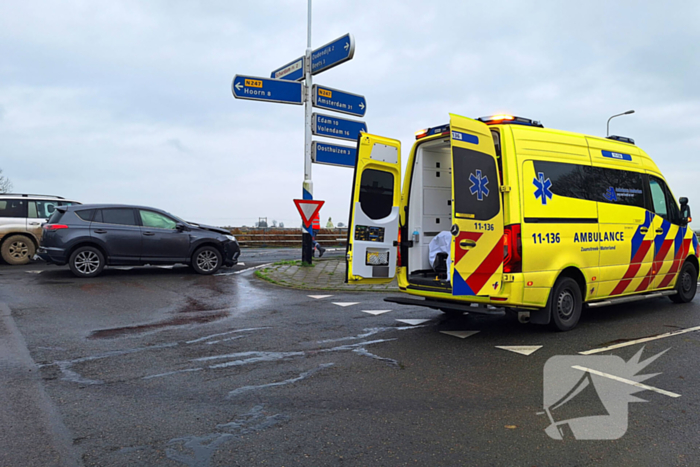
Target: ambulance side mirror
{"points": [[685, 211]]}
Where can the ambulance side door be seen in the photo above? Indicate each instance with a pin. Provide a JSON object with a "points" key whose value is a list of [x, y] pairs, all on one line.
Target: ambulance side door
{"points": [[374, 211]]}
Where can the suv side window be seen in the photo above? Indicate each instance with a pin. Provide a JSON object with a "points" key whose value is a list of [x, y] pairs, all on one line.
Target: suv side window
{"points": [[41, 209], [13, 208], [119, 216], [156, 220]]}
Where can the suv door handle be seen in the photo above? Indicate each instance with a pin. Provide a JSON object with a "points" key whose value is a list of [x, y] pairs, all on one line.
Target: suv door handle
{"points": [[33, 223], [100, 231], [150, 234], [659, 231]]}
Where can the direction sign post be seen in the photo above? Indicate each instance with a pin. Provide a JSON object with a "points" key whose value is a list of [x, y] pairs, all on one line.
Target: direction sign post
{"points": [[292, 71], [332, 54], [340, 101], [334, 127], [333, 154], [266, 89]]}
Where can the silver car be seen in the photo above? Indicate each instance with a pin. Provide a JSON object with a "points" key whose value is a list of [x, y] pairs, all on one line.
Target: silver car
{"points": [[21, 218]]}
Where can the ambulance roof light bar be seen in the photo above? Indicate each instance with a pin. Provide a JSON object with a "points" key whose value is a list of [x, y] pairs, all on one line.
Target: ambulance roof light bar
{"points": [[623, 139], [510, 119], [438, 130]]}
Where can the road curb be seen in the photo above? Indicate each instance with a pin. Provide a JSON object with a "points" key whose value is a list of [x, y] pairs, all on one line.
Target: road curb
{"points": [[31, 429]]}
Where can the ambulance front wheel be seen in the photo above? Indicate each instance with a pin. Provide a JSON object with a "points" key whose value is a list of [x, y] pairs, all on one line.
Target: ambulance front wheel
{"points": [[687, 284], [565, 304]]}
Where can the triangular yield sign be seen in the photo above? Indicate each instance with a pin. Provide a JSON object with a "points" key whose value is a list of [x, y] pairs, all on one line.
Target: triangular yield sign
{"points": [[308, 208], [376, 312], [460, 334], [521, 349], [413, 322]]}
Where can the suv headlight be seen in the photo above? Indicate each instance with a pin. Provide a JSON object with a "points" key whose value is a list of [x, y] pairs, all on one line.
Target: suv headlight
{"points": [[230, 237]]}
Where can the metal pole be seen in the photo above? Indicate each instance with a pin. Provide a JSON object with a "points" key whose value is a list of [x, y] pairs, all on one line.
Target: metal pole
{"points": [[308, 187], [607, 133]]}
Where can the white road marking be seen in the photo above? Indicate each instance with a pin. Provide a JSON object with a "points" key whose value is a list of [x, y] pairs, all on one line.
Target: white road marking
{"points": [[343, 304], [626, 381], [122, 268], [318, 297], [376, 312], [33, 272], [165, 267], [639, 341], [521, 349], [413, 322], [460, 334]]}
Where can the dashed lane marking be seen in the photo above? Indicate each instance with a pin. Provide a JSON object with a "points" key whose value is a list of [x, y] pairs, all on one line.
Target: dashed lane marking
{"points": [[521, 349], [626, 381], [376, 312], [243, 270], [460, 334], [33, 272], [318, 297], [639, 341], [413, 322], [344, 304]]}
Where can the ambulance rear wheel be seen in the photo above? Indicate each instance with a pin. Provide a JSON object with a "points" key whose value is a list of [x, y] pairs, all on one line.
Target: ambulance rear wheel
{"points": [[687, 284], [565, 304]]}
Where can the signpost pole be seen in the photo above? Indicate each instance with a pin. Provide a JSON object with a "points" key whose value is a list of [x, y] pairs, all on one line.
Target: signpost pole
{"points": [[307, 252]]}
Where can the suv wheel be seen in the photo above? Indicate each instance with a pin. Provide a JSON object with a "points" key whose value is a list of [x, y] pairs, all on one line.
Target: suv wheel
{"points": [[686, 284], [565, 304], [87, 261], [18, 249], [207, 260]]}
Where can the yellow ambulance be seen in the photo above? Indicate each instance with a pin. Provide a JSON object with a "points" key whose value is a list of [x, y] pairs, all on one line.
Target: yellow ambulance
{"points": [[541, 222]]}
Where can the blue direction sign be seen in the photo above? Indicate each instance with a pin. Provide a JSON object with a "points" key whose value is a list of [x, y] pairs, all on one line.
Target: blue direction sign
{"points": [[334, 127], [340, 101], [333, 154], [292, 71], [266, 89], [332, 54]]}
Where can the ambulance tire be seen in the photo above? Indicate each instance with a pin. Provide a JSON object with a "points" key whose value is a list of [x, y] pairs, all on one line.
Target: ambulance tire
{"points": [[687, 284], [565, 304]]}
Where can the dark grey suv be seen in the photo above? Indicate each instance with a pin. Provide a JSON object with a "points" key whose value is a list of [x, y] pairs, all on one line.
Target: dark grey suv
{"points": [[88, 237]]}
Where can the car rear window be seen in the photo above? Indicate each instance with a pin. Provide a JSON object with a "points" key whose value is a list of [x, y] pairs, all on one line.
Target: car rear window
{"points": [[85, 214], [55, 217]]}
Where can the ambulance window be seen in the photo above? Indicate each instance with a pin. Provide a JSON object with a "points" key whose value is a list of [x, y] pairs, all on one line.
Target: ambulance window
{"points": [[376, 193], [568, 180], [658, 197], [476, 184], [620, 187]]}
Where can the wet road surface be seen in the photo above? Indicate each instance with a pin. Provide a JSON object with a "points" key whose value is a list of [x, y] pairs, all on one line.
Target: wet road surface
{"points": [[154, 366]]}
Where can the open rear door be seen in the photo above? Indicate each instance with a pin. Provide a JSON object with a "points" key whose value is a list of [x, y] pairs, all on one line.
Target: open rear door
{"points": [[374, 211], [477, 229]]}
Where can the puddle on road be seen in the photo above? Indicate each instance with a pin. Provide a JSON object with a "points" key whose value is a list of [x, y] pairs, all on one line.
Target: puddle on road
{"points": [[141, 328]]}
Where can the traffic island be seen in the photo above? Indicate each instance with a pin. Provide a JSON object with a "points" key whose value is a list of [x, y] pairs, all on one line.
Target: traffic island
{"points": [[323, 274]]}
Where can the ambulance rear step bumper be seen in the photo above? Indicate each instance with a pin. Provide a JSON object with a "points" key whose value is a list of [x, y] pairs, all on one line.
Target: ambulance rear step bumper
{"points": [[476, 308], [633, 298]]}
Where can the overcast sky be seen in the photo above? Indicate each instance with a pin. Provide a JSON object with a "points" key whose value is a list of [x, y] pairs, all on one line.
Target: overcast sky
{"points": [[130, 101]]}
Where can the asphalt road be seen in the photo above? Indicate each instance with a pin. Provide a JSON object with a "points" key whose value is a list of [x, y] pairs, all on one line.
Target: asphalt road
{"points": [[161, 367]]}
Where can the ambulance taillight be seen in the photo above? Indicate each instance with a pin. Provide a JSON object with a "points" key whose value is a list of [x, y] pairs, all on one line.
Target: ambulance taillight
{"points": [[512, 249]]}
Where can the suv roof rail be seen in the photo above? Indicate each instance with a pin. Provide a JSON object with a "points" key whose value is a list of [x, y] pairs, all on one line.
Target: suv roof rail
{"points": [[26, 195]]}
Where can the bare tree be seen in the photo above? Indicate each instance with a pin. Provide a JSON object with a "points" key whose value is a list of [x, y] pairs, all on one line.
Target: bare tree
{"points": [[5, 183]]}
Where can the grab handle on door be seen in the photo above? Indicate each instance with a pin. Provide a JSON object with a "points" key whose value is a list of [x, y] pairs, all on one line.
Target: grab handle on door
{"points": [[466, 243], [659, 231], [643, 230], [99, 231], [149, 234]]}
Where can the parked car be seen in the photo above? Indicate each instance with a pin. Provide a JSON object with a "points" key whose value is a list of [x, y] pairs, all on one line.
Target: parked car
{"points": [[89, 237], [21, 217]]}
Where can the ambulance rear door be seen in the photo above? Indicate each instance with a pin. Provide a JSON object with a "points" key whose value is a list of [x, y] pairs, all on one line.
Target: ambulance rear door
{"points": [[477, 219], [374, 211]]}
